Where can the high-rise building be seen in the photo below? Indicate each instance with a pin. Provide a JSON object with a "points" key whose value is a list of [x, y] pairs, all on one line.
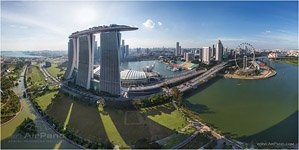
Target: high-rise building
{"points": [[97, 54], [200, 54], [81, 51], [185, 56], [85, 66], [178, 49], [147, 50], [206, 55], [110, 70], [189, 56], [138, 50], [127, 51], [213, 52], [219, 51], [122, 50], [122, 42]]}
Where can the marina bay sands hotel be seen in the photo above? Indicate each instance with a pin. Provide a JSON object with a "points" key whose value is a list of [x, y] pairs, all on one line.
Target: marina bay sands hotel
{"points": [[81, 48]]}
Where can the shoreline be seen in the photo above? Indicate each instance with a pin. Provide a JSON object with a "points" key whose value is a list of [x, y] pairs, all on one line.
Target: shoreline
{"points": [[271, 73]]}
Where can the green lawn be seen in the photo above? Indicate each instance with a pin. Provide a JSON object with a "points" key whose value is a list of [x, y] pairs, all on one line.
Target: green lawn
{"points": [[111, 130], [172, 120], [54, 70], [67, 119], [121, 127], [36, 75], [45, 100]]}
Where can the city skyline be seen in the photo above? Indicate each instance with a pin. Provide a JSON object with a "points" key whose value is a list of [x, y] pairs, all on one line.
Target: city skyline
{"points": [[270, 25]]}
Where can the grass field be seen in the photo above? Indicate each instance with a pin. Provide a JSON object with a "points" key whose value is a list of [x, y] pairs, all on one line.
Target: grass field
{"points": [[54, 70], [177, 122], [121, 127], [111, 130], [45, 100], [36, 75]]}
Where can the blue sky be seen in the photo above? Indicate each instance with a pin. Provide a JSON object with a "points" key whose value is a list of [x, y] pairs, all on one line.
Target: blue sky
{"points": [[46, 25]]}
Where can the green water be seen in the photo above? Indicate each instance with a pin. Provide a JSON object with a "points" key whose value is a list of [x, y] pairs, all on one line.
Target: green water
{"points": [[259, 110]]}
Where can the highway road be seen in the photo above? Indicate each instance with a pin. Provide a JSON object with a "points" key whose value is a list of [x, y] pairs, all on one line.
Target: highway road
{"points": [[202, 78], [167, 82]]}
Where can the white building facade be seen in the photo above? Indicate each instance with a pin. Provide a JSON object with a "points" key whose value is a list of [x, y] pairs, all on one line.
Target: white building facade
{"points": [[206, 55]]}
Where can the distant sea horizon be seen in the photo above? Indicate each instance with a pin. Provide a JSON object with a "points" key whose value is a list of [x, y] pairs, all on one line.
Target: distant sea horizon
{"points": [[17, 54]]}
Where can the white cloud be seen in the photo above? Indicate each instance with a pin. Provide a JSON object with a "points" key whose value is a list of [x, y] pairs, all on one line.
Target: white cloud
{"points": [[150, 24], [266, 32], [160, 23]]}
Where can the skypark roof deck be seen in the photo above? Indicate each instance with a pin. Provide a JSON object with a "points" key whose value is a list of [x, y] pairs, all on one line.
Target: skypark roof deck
{"points": [[93, 30]]}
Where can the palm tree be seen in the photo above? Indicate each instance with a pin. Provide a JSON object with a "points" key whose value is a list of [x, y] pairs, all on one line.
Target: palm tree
{"points": [[177, 95]]}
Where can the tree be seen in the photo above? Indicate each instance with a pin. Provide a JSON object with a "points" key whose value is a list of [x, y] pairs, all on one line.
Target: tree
{"points": [[177, 95], [29, 79], [27, 127]]}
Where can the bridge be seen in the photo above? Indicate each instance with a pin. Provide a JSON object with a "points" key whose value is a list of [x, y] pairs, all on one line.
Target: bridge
{"points": [[183, 82], [169, 82], [194, 83]]}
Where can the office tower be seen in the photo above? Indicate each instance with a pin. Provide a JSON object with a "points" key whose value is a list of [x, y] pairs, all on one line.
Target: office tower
{"points": [[177, 50], [219, 51], [213, 52], [110, 62], [127, 51], [97, 54], [138, 50], [189, 56], [180, 51], [200, 54], [206, 55], [185, 56], [122, 42], [122, 50], [147, 51]]}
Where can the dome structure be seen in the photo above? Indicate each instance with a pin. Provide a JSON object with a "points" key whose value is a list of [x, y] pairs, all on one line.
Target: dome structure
{"points": [[133, 77], [130, 77]]}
